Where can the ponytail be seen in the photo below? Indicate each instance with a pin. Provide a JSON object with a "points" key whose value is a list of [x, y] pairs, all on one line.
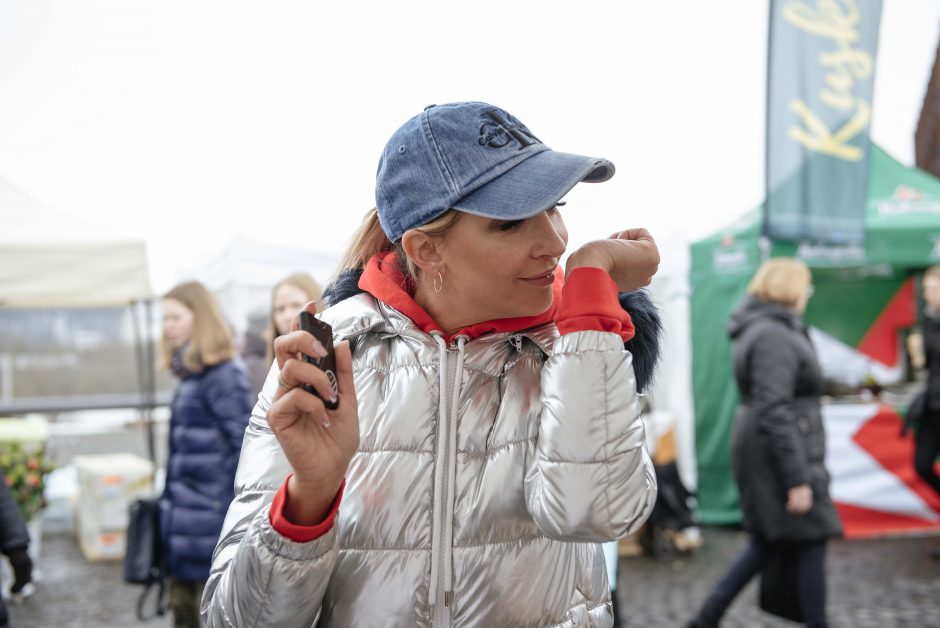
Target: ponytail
{"points": [[368, 240]]}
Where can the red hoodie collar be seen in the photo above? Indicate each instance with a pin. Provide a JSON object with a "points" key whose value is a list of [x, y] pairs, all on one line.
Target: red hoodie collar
{"points": [[383, 280]]}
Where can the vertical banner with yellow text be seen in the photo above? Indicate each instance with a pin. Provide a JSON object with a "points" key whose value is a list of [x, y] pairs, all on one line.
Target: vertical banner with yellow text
{"points": [[821, 66]]}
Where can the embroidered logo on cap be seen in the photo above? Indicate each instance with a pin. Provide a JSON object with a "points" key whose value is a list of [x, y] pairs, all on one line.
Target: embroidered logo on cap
{"points": [[499, 133]]}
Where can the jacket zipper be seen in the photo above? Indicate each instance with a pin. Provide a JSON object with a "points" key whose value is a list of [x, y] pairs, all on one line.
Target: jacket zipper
{"points": [[445, 477]]}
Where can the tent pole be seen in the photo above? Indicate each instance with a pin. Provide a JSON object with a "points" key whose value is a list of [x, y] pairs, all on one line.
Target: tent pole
{"points": [[140, 352], [150, 367], [138, 355]]}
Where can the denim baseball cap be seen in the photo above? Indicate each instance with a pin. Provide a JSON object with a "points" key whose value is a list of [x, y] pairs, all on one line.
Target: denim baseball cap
{"points": [[476, 158]]}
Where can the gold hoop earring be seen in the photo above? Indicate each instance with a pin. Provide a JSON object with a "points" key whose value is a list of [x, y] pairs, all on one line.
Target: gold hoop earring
{"points": [[438, 284]]}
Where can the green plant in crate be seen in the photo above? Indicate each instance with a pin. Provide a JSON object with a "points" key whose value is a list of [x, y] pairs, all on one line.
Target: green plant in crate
{"points": [[26, 470]]}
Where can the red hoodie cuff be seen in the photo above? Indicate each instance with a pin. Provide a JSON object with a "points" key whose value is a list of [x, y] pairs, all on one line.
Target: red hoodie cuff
{"points": [[298, 533], [590, 302]]}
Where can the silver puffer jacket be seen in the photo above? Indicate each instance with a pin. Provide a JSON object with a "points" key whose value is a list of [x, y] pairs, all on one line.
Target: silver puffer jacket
{"points": [[488, 472]]}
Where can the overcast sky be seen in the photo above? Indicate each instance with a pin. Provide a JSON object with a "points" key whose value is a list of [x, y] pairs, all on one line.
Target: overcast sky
{"points": [[185, 122]]}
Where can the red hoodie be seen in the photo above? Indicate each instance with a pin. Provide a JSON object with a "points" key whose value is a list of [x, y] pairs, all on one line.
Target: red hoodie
{"points": [[588, 301]]}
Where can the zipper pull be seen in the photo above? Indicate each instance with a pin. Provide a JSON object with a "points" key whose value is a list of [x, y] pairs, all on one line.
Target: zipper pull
{"points": [[517, 342]]}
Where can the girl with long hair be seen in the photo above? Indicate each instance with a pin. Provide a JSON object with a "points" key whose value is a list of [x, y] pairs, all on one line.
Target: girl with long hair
{"points": [[209, 411]]}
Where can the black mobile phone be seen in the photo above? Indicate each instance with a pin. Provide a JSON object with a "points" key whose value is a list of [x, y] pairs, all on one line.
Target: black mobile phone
{"points": [[324, 333]]}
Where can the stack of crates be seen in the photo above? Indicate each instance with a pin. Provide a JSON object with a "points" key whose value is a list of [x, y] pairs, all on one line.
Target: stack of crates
{"points": [[107, 484]]}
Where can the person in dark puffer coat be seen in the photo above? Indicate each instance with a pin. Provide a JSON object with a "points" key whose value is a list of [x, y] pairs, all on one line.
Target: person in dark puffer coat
{"points": [[778, 441], [210, 410], [14, 541]]}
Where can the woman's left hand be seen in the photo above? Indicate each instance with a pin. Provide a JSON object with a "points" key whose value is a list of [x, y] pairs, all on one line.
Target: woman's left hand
{"points": [[799, 499], [630, 257]]}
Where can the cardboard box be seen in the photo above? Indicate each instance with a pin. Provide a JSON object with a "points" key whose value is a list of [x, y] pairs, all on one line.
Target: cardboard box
{"points": [[107, 484]]}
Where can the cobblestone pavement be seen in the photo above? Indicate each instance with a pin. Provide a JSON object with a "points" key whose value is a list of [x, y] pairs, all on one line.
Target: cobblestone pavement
{"points": [[883, 584], [75, 593], [870, 584]]}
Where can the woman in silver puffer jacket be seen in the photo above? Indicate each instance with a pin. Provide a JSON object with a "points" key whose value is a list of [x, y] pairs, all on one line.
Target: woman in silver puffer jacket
{"points": [[488, 435]]}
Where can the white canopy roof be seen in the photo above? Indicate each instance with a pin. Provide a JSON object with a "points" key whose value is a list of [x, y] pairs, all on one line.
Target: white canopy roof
{"points": [[243, 274], [51, 259]]}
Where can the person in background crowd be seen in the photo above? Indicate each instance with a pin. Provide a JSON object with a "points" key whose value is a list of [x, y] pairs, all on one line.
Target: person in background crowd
{"points": [[14, 543], [210, 409], [288, 297], [778, 443], [487, 436], [925, 352], [254, 349]]}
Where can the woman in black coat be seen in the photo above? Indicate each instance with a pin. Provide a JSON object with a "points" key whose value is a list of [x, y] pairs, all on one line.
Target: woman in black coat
{"points": [[926, 352], [778, 444]]}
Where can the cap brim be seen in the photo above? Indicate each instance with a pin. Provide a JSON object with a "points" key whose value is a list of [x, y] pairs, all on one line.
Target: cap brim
{"points": [[534, 185]]}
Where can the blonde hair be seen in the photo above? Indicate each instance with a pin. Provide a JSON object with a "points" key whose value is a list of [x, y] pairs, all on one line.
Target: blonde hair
{"points": [[370, 240], [303, 282], [211, 342], [781, 280]]}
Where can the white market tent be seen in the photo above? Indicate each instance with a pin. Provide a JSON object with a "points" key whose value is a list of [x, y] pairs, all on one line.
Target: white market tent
{"points": [[51, 259], [671, 391]]}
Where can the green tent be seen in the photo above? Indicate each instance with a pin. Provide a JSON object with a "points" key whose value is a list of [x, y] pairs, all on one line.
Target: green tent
{"points": [[863, 296]]}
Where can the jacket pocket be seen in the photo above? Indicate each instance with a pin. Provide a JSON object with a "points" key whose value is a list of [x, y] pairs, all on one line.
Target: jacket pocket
{"points": [[814, 439]]}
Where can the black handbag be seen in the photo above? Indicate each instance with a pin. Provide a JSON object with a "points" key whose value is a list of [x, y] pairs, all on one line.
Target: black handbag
{"points": [[144, 559], [779, 585]]}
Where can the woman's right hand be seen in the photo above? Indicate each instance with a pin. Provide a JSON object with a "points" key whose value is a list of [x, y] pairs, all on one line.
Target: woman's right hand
{"points": [[319, 443], [799, 499]]}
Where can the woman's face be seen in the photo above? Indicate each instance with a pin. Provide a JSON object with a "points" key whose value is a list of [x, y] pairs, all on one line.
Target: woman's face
{"points": [[287, 303], [501, 269], [932, 292], [177, 323]]}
